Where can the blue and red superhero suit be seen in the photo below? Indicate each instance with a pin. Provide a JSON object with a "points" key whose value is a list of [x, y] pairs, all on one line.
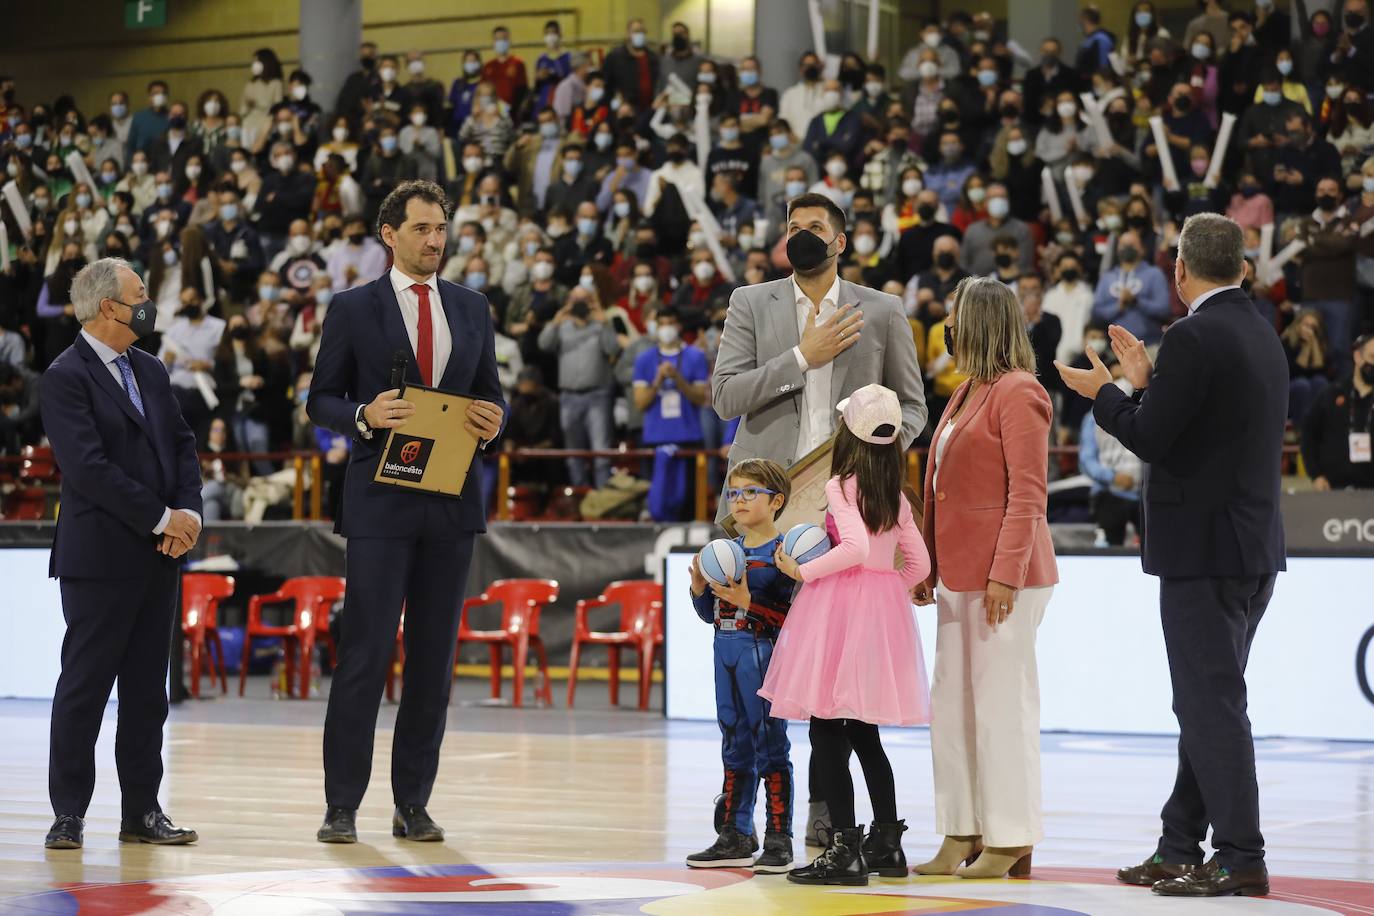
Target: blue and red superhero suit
{"points": [[753, 745]]}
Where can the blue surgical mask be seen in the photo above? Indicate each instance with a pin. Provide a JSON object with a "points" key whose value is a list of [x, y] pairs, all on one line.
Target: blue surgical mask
{"points": [[779, 142], [796, 188], [749, 77], [83, 201], [846, 199], [109, 177], [322, 296], [164, 190], [531, 249], [602, 140], [23, 141], [1143, 19], [501, 45], [626, 163], [1272, 98], [548, 130], [622, 209], [729, 134], [118, 111], [1285, 67], [987, 77], [476, 279], [466, 243], [573, 167], [586, 227], [229, 212], [388, 144], [267, 293], [471, 67], [639, 39]]}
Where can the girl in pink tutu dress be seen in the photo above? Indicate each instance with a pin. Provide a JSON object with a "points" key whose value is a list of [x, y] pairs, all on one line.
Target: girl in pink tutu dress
{"points": [[849, 656]]}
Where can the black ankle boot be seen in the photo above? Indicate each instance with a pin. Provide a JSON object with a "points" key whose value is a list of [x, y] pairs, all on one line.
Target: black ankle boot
{"points": [[883, 849], [841, 863]]}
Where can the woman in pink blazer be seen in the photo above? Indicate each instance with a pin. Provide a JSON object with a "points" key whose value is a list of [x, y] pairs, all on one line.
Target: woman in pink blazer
{"points": [[992, 572]]}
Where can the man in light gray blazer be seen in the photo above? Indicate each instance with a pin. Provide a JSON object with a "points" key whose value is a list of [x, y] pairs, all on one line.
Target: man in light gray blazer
{"points": [[794, 348]]}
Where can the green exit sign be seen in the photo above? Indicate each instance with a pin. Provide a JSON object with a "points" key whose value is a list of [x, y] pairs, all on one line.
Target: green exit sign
{"points": [[145, 14]]}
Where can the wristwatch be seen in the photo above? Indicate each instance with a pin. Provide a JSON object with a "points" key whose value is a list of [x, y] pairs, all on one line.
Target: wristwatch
{"points": [[364, 430]]}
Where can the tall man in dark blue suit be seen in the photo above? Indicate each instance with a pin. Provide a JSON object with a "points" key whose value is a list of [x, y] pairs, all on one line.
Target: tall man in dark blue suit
{"points": [[1209, 421], [404, 548], [130, 509]]}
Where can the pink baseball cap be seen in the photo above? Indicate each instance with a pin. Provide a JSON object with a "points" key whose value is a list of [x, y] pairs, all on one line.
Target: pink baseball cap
{"points": [[873, 413]]}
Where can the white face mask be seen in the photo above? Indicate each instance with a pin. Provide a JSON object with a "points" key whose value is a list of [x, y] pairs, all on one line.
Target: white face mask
{"points": [[238, 165], [212, 108], [928, 69], [472, 164], [299, 93], [159, 99], [340, 134], [388, 74], [911, 187], [256, 68], [703, 271], [419, 118], [745, 240], [643, 284], [865, 244], [163, 227], [299, 244], [70, 227], [587, 282], [541, 270], [836, 168], [1066, 109], [1016, 147], [667, 334], [830, 99], [416, 67], [192, 172], [139, 168]]}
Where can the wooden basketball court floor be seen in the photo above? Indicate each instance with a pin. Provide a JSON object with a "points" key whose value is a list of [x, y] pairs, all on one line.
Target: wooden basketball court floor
{"points": [[593, 810]]}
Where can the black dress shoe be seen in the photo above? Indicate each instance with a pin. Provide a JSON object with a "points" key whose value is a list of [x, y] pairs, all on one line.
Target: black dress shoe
{"points": [[68, 832], [340, 826], [1216, 880], [414, 823], [156, 828], [1151, 871]]}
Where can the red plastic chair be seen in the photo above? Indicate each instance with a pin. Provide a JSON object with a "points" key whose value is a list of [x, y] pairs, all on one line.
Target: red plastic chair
{"points": [[641, 629], [521, 602], [313, 597], [38, 466], [201, 594]]}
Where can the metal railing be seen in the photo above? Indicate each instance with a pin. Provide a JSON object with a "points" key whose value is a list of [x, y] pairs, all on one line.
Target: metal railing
{"points": [[308, 465]]}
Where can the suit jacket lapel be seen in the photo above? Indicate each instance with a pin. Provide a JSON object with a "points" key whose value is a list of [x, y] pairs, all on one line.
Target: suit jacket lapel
{"points": [[393, 325], [781, 316], [101, 373], [458, 329], [979, 399], [849, 295]]}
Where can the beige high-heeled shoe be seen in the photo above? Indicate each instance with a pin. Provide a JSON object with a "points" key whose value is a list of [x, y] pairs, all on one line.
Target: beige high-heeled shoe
{"points": [[1000, 862], [953, 851]]}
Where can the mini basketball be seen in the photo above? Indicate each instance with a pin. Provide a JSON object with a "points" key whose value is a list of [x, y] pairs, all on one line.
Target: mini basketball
{"points": [[722, 561], [805, 542]]}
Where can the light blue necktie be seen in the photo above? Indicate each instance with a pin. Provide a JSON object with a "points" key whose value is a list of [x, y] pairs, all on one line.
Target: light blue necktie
{"points": [[126, 369]]}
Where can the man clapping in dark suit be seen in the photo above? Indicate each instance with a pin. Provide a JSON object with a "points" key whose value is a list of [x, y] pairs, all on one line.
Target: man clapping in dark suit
{"points": [[1208, 419], [130, 508]]}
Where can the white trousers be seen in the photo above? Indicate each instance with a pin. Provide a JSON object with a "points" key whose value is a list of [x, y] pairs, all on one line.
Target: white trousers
{"points": [[985, 719]]}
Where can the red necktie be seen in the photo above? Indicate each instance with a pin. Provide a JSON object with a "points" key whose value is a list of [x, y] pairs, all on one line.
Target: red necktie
{"points": [[425, 342]]}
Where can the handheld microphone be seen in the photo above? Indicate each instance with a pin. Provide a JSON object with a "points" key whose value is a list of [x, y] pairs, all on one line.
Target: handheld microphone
{"points": [[398, 368]]}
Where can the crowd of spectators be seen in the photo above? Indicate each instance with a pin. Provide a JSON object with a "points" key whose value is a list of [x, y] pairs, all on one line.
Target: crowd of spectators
{"points": [[608, 201]]}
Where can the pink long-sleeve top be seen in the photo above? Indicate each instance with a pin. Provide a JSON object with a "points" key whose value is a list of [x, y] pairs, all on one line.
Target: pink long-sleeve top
{"points": [[860, 547]]}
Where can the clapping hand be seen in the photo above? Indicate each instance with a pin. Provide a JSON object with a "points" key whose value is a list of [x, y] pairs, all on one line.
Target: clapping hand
{"points": [[1130, 352], [1086, 382]]}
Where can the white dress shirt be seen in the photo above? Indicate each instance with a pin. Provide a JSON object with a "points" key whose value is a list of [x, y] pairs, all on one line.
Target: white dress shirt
{"points": [[108, 356], [817, 413], [1197, 303], [409, 300]]}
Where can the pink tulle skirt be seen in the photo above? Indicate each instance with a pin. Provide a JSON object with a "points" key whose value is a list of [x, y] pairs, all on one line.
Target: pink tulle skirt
{"points": [[850, 650]]}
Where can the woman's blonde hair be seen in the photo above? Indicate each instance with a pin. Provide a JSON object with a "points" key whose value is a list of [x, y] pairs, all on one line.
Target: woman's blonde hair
{"points": [[990, 337]]}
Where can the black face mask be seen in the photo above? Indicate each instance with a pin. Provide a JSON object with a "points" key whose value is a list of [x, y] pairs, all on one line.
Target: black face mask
{"points": [[1354, 21], [356, 238], [1128, 254], [811, 74], [1069, 274], [143, 319], [1327, 202], [1182, 105], [945, 260], [926, 212], [949, 341], [679, 43], [646, 250], [1139, 222], [949, 117], [189, 311], [368, 63], [242, 332], [1367, 373], [580, 309], [807, 251], [1002, 260], [677, 156], [1010, 111]]}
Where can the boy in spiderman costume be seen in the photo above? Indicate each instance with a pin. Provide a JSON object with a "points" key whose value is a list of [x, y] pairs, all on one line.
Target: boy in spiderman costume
{"points": [[747, 616]]}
